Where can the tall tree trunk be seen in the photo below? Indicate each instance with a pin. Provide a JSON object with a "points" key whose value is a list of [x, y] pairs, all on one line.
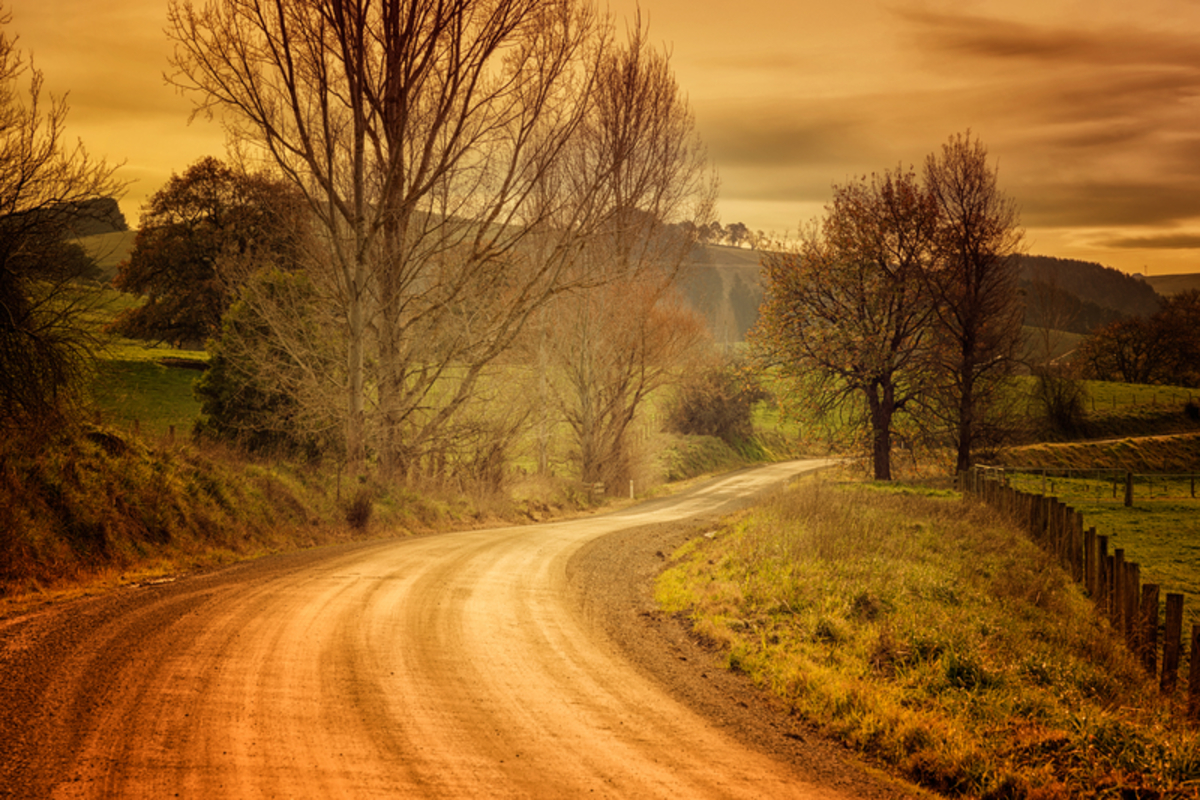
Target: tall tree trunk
{"points": [[881, 409], [356, 452], [966, 421]]}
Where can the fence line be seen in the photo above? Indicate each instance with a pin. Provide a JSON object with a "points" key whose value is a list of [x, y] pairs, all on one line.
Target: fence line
{"points": [[1113, 583], [1107, 485]]}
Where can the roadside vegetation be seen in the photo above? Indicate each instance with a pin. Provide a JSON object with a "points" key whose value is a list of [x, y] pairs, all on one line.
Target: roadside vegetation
{"points": [[502, 335], [935, 638]]}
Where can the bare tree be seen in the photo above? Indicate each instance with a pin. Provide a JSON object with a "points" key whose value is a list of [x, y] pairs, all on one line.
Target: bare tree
{"points": [[427, 137], [614, 346], [44, 182], [973, 282], [619, 339], [845, 310], [1058, 394]]}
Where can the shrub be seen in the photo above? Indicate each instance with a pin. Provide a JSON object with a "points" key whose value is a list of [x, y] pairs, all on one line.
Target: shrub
{"points": [[257, 392], [716, 401], [1059, 397], [358, 511]]}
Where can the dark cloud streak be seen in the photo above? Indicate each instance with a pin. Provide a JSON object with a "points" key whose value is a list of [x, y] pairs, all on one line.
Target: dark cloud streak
{"points": [[1183, 241], [993, 38]]}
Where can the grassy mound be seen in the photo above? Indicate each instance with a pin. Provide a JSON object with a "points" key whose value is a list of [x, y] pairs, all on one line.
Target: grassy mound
{"points": [[99, 504], [934, 637], [1171, 454]]}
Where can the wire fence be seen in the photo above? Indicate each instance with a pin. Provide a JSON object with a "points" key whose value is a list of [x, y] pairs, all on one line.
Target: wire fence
{"points": [[1114, 584], [1099, 485]]}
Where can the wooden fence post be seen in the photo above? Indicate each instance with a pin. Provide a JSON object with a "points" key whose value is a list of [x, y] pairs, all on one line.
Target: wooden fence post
{"points": [[1128, 489], [1172, 634], [1148, 638], [1116, 604], [1133, 580], [1102, 579], [1089, 562], [1077, 547], [1194, 676], [1060, 534]]}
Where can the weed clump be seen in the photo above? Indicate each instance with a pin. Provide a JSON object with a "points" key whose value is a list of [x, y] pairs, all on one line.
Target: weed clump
{"points": [[358, 510]]}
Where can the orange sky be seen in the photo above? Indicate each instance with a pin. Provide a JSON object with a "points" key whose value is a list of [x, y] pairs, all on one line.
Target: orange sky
{"points": [[1092, 109]]}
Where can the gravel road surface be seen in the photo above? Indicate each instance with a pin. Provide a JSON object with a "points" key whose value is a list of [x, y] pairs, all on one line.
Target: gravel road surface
{"points": [[512, 662]]}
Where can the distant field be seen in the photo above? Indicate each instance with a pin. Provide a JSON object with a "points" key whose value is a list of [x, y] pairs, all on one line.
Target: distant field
{"points": [[1035, 341], [148, 394], [131, 384], [1167, 285]]}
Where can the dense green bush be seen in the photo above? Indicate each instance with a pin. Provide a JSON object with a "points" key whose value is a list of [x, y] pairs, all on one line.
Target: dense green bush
{"points": [[261, 391]]}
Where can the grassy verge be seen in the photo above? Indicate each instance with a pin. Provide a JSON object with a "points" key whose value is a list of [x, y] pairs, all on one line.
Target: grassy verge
{"points": [[935, 638], [100, 505], [97, 501]]}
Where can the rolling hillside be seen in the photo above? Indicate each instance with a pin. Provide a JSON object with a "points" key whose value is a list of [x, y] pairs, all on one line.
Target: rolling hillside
{"points": [[723, 283], [1167, 285], [108, 250]]}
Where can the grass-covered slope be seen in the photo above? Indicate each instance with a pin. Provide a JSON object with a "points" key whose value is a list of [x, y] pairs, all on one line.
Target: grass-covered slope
{"points": [[94, 501], [936, 638]]}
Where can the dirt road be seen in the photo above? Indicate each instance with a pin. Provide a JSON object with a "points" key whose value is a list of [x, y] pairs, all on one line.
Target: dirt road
{"points": [[473, 664]]}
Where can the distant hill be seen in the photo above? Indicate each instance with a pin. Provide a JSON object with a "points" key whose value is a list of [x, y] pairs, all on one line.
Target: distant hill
{"points": [[723, 283], [1097, 287], [94, 217], [1167, 285], [108, 250]]}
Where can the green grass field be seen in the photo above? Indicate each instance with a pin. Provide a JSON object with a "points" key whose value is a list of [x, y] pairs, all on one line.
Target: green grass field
{"points": [[145, 392], [1160, 531], [131, 383], [1107, 395]]}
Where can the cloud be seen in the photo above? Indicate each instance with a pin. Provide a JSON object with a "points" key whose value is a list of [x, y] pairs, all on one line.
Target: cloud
{"points": [[995, 39], [1109, 204], [759, 60], [754, 134], [1177, 241]]}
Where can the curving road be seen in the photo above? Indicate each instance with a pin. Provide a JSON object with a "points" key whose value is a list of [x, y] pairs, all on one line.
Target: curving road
{"points": [[455, 665]]}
